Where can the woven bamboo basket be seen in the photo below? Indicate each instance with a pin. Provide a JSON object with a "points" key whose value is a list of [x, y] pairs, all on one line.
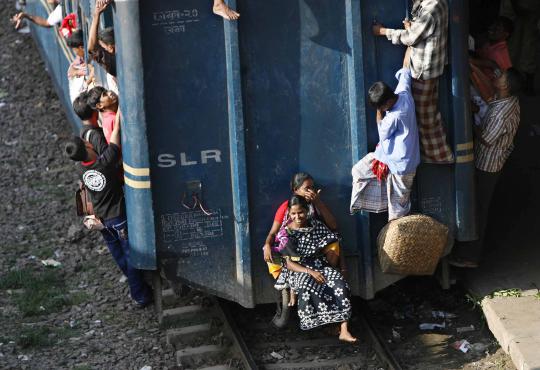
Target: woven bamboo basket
{"points": [[411, 245]]}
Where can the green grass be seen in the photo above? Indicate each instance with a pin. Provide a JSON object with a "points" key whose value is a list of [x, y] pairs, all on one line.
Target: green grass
{"points": [[43, 291], [15, 279], [83, 367], [88, 266], [43, 336], [34, 337], [37, 301], [514, 292], [44, 252], [78, 298], [58, 193]]}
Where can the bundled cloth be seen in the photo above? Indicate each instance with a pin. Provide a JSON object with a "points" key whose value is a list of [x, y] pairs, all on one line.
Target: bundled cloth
{"points": [[377, 190], [69, 24], [379, 169]]}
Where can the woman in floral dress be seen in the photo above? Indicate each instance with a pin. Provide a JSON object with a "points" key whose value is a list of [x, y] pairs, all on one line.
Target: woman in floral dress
{"points": [[323, 293]]}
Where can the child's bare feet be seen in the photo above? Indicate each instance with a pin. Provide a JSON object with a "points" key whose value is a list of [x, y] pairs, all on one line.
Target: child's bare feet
{"points": [[221, 9], [344, 334], [292, 299]]}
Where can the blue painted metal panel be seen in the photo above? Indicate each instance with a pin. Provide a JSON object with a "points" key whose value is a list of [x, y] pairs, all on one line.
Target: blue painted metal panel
{"points": [[464, 170], [359, 140], [137, 190], [238, 161], [188, 116]]}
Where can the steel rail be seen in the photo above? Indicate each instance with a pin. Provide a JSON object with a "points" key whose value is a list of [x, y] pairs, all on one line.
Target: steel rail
{"points": [[379, 344], [230, 327]]}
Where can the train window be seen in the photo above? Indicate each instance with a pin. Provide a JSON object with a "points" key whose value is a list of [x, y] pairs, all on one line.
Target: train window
{"points": [[107, 17], [80, 19]]}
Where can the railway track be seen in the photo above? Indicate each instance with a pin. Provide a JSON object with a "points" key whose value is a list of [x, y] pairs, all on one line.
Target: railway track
{"points": [[212, 334]]}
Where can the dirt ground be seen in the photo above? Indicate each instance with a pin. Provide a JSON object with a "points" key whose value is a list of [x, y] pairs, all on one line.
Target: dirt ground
{"points": [[400, 309], [79, 315]]}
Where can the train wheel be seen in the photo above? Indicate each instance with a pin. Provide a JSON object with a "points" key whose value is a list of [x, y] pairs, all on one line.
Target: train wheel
{"points": [[283, 310]]}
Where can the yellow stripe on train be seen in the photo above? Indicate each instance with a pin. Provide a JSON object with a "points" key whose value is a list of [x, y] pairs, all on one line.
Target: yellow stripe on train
{"points": [[143, 171], [137, 184]]}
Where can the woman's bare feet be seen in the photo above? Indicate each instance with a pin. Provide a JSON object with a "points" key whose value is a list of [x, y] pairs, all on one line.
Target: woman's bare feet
{"points": [[344, 334], [221, 9], [292, 299]]}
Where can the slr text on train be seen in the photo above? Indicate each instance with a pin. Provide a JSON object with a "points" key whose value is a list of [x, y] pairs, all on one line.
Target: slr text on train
{"points": [[166, 160]]}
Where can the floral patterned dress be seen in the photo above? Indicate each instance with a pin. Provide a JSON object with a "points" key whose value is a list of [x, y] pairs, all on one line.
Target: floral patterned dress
{"points": [[318, 304]]}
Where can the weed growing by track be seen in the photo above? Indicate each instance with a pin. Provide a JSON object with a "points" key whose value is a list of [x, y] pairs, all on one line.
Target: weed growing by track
{"points": [[37, 292]]}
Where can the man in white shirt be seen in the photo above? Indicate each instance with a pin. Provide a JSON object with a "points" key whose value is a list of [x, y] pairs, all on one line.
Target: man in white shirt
{"points": [[54, 19]]}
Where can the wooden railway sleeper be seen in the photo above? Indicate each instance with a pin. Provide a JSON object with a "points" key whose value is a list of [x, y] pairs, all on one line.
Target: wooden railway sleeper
{"points": [[204, 335]]}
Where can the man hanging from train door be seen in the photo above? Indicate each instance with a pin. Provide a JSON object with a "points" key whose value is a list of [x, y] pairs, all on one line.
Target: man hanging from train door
{"points": [[383, 180], [99, 173], [427, 34], [494, 140]]}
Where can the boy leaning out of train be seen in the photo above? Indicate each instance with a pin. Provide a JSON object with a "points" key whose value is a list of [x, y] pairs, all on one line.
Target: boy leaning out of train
{"points": [[80, 74], [102, 47], [90, 130], [99, 174], [106, 103]]}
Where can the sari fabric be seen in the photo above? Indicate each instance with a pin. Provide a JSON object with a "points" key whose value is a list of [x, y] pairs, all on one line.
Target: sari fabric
{"points": [[318, 304]]}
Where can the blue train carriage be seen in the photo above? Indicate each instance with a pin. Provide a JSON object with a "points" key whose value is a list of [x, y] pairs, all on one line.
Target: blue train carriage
{"points": [[218, 116]]}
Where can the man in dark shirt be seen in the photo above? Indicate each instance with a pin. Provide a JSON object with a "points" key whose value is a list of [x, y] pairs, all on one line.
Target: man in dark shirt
{"points": [[101, 45], [100, 176]]}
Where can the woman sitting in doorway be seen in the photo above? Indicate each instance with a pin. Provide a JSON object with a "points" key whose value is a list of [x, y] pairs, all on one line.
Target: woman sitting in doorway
{"points": [[323, 293], [302, 184]]}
